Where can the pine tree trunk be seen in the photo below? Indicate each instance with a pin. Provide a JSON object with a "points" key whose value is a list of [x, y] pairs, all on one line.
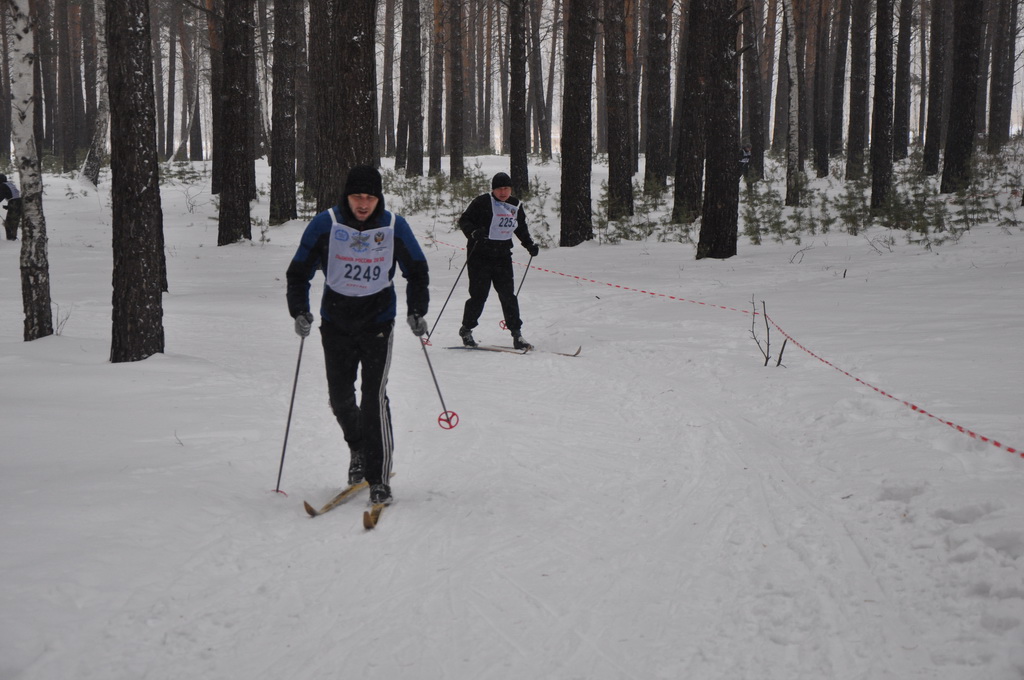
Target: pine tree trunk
{"points": [[35, 266], [882, 114], [537, 82], [411, 86], [841, 40], [752, 90], [519, 141], [1004, 59], [65, 101], [577, 144], [91, 167], [387, 98], [720, 213], [283, 205], [967, 28], [658, 88], [689, 177], [620, 164], [215, 31], [139, 275], [793, 169], [456, 93], [234, 220], [435, 129], [901, 108], [860, 54], [936, 87], [822, 93], [172, 85]]}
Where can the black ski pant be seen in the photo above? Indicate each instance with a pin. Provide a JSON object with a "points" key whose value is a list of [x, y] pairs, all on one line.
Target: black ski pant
{"points": [[366, 425], [13, 219], [483, 273]]}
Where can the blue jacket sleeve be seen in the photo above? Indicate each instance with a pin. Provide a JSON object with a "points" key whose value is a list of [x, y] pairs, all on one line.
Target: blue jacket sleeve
{"points": [[310, 256], [413, 264]]}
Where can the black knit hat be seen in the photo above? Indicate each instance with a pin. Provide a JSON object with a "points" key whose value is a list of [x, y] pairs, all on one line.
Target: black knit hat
{"points": [[364, 179], [501, 180]]}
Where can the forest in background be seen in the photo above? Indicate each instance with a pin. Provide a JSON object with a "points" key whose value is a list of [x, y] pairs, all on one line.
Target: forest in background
{"points": [[845, 88]]}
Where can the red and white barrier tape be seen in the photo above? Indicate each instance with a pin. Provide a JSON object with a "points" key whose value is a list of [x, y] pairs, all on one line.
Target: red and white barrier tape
{"points": [[914, 407]]}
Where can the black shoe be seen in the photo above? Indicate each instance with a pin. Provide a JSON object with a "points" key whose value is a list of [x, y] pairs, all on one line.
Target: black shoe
{"points": [[467, 337], [519, 342], [355, 468], [380, 494]]}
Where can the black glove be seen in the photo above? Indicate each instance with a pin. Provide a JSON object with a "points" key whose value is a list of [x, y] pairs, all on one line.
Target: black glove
{"points": [[533, 249], [303, 322], [418, 325]]}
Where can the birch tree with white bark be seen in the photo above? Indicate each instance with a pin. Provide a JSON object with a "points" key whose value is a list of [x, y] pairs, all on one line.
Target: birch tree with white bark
{"points": [[35, 266]]}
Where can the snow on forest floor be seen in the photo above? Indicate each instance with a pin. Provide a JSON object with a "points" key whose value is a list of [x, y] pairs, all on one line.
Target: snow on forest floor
{"points": [[662, 506]]}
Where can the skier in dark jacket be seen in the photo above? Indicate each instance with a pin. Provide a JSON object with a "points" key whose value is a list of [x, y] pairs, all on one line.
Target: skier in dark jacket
{"points": [[357, 245], [489, 223], [9, 192]]}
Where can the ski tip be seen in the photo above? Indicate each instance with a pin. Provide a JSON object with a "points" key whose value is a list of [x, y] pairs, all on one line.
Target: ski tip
{"points": [[310, 509], [368, 521]]}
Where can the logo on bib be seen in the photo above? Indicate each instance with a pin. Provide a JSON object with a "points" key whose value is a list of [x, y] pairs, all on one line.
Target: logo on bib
{"points": [[340, 235], [360, 243]]}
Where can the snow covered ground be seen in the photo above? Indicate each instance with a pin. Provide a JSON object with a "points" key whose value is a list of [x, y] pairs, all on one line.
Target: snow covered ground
{"points": [[663, 506]]}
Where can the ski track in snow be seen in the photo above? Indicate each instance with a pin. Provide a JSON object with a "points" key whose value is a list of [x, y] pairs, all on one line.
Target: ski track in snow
{"points": [[662, 506]]}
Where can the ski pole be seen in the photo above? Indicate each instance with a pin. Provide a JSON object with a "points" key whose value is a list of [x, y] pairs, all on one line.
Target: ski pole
{"points": [[447, 299], [295, 384], [447, 419], [524, 276]]}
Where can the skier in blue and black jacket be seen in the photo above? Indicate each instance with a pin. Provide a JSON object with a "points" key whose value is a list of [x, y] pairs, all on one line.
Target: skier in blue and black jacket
{"points": [[357, 245]]}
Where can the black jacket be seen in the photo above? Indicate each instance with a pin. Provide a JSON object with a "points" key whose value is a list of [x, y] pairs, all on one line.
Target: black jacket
{"points": [[477, 218]]}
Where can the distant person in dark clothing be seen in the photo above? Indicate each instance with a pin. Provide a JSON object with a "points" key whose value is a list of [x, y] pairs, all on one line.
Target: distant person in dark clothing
{"points": [[744, 160], [489, 223], [9, 192]]}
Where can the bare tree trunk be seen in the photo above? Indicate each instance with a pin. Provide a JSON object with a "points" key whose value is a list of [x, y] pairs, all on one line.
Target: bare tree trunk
{"points": [[752, 94], [172, 85], [658, 89], [822, 91], [901, 108], [967, 27], [1004, 61], [860, 54], [577, 144], [387, 98], [283, 204], [540, 107], [840, 42], [91, 167], [65, 98], [35, 265], [411, 89], [882, 114], [456, 95], [235, 223], [435, 129], [215, 31], [720, 213], [519, 140], [936, 87], [620, 164], [793, 169], [689, 179], [139, 276]]}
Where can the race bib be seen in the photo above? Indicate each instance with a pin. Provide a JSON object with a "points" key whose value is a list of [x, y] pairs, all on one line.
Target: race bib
{"points": [[503, 220], [360, 261]]}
